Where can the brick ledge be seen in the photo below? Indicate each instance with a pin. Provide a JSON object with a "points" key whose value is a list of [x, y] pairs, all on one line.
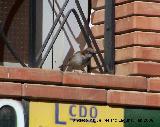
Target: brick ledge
{"points": [[51, 77]]}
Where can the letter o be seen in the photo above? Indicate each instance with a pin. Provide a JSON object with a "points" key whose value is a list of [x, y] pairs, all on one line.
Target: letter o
{"points": [[93, 112]]}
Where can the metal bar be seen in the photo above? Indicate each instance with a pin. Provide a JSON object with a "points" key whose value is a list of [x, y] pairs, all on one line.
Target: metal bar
{"points": [[32, 32], [3, 37], [40, 63], [109, 36], [91, 36], [51, 31], [66, 22], [87, 39], [52, 7], [25, 105], [50, 4], [60, 28]]}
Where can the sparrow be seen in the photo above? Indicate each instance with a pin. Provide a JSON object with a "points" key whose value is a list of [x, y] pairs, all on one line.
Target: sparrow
{"points": [[80, 59]]}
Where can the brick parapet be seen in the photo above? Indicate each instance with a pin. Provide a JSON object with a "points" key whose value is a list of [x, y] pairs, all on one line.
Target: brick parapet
{"points": [[79, 87], [137, 35]]}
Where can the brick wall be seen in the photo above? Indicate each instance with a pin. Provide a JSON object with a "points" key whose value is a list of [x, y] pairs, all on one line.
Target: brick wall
{"points": [[137, 35], [45, 85], [137, 57]]}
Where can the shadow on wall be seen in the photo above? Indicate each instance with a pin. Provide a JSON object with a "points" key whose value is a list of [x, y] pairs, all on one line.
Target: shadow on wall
{"points": [[79, 40]]}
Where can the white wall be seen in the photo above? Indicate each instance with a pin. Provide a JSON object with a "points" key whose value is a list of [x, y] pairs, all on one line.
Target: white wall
{"points": [[67, 43]]}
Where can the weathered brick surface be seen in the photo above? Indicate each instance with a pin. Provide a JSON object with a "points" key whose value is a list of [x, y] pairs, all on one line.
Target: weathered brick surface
{"points": [[137, 53], [122, 1], [100, 43], [104, 81], [138, 23], [133, 23], [154, 84], [93, 63], [98, 4], [138, 38], [97, 17], [150, 69], [138, 8], [128, 1], [98, 31], [35, 91], [9, 89], [31, 75], [133, 8], [133, 98]]}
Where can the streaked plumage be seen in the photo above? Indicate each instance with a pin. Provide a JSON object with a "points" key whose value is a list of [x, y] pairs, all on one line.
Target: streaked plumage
{"points": [[80, 59]]}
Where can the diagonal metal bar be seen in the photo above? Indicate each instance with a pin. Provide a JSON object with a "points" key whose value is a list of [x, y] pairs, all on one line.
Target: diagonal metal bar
{"points": [[38, 57], [106, 68], [58, 31], [66, 22], [50, 4]]}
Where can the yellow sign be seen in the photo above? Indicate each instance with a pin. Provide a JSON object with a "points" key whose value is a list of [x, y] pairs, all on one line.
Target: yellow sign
{"points": [[73, 115]]}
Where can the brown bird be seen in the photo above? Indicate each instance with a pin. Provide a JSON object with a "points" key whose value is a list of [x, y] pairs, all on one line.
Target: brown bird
{"points": [[80, 59]]}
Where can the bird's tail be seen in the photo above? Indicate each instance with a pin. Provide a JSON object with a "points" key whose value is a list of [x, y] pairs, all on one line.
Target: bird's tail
{"points": [[63, 67]]}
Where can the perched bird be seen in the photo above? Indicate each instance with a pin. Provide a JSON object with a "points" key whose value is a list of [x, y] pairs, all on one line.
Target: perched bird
{"points": [[80, 59]]}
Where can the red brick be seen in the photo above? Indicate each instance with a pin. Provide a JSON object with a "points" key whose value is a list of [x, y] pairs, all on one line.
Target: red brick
{"points": [[138, 53], [138, 8], [137, 38], [97, 17], [31, 75], [127, 1], [98, 4], [138, 23], [35, 91], [104, 81], [10, 89], [100, 43], [150, 69], [93, 63], [122, 1], [98, 31], [133, 8], [154, 84], [133, 23], [133, 98]]}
